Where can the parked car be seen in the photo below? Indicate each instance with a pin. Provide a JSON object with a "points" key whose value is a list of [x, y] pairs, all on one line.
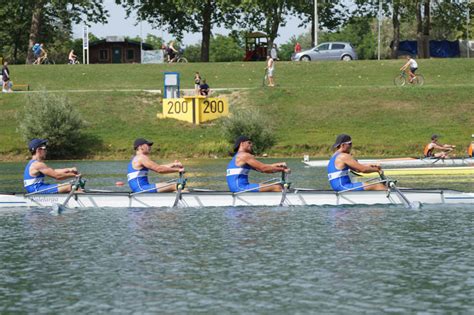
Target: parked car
{"points": [[327, 51]]}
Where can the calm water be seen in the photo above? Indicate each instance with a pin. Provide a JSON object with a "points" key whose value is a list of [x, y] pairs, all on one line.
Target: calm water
{"points": [[236, 260]]}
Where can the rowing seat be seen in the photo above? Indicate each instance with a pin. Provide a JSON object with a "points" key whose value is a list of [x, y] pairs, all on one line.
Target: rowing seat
{"points": [[21, 87]]}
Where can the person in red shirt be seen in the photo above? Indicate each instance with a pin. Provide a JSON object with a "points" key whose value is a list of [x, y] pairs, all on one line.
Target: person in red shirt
{"points": [[297, 48]]}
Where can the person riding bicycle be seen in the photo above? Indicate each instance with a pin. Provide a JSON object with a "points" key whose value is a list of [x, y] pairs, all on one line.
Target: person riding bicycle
{"points": [[413, 66], [72, 57], [172, 52], [38, 52]]}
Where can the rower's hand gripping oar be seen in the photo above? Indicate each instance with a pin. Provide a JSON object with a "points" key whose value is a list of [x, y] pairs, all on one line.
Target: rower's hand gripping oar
{"points": [[285, 186], [180, 184], [392, 185], [60, 208]]}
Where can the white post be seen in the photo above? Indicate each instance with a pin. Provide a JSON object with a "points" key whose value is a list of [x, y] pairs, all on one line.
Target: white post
{"points": [[316, 22], [85, 44], [468, 46], [379, 28]]}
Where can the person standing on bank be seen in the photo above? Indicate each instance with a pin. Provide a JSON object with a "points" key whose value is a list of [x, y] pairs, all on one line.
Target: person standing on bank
{"points": [[342, 162], [243, 162], [6, 78], [197, 83], [36, 170], [141, 163], [270, 70]]}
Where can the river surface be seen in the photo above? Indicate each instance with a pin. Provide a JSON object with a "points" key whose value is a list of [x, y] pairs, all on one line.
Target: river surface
{"points": [[347, 260]]}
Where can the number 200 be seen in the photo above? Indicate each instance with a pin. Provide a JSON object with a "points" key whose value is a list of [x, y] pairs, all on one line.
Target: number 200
{"points": [[177, 107], [213, 107]]}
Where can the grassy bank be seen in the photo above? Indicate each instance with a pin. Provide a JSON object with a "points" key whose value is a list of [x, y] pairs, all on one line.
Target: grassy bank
{"points": [[312, 103]]}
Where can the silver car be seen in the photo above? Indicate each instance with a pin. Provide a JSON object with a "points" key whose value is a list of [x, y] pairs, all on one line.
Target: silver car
{"points": [[327, 51]]}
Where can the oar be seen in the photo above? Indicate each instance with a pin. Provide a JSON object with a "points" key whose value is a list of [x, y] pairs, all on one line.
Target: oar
{"points": [[392, 185], [181, 183], [286, 185], [60, 208]]}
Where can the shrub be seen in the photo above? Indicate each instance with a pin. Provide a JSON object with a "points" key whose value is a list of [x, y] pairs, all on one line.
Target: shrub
{"points": [[52, 117], [251, 123]]}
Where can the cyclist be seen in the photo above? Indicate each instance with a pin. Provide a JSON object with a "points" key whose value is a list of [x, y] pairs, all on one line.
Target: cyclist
{"points": [[40, 53], [412, 66], [72, 57], [172, 52]]}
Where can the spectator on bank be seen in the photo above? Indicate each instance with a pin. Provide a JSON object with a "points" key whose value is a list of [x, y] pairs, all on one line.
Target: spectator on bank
{"points": [[270, 69], [7, 85], [197, 83], [203, 88], [274, 52], [297, 48]]}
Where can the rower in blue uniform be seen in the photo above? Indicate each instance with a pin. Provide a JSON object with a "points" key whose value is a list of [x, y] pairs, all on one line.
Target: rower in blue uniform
{"points": [[243, 161], [342, 162], [36, 170], [141, 164]]}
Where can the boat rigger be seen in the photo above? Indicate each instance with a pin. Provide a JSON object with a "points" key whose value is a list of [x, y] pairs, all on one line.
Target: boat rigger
{"points": [[441, 171]]}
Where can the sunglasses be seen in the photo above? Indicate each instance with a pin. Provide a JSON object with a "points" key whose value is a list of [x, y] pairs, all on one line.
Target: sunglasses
{"points": [[42, 147]]}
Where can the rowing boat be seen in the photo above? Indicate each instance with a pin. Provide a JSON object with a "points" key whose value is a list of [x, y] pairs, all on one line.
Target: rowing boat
{"points": [[198, 199], [401, 162], [447, 171]]}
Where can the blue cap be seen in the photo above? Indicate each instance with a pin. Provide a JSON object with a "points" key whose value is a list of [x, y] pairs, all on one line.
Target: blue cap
{"points": [[36, 143]]}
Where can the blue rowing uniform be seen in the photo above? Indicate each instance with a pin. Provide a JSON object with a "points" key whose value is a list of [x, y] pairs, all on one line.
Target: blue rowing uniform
{"points": [[138, 179], [36, 183], [238, 177], [339, 179]]}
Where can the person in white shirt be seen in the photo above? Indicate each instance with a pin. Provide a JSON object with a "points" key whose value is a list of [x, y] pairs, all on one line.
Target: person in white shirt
{"points": [[412, 66], [270, 69]]}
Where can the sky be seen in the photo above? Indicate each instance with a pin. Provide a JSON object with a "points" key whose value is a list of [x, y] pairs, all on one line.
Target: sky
{"points": [[118, 25]]}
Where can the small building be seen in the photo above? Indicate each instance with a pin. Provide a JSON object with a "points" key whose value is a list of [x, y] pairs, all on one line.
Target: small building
{"points": [[116, 49], [256, 46]]}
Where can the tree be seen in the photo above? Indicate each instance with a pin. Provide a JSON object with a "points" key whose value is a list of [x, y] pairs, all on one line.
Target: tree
{"points": [[62, 13], [179, 16]]}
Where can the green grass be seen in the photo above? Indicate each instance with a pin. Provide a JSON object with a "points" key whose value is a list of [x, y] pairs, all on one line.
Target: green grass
{"points": [[312, 103]]}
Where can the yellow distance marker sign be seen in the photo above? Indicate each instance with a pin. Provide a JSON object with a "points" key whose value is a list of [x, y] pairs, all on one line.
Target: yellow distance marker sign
{"points": [[178, 108], [195, 109], [212, 108]]}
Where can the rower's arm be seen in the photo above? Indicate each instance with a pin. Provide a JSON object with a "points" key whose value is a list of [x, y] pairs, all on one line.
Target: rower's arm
{"points": [[358, 167], [58, 174], [162, 169], [262, 167]]}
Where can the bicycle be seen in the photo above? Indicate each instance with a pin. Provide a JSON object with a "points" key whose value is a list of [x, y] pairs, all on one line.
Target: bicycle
{"points": [[178, 58], [402, 79], [44, 60], [74, 62]]}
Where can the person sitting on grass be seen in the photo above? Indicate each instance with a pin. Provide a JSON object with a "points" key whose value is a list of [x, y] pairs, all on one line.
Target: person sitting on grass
{"points": [[204, 88], [412, 66], [434, 145]]}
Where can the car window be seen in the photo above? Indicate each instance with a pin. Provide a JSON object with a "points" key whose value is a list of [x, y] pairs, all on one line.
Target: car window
{"points": [[337, 46], [323, 47]]}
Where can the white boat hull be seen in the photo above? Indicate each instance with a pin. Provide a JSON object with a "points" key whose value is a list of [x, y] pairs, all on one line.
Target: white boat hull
{"points": [[226, 199], [409, 162]]}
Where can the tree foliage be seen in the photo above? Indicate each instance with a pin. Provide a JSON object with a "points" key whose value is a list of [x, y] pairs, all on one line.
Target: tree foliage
{"points": [[179, 16], [53, 117], [251, 123]]}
